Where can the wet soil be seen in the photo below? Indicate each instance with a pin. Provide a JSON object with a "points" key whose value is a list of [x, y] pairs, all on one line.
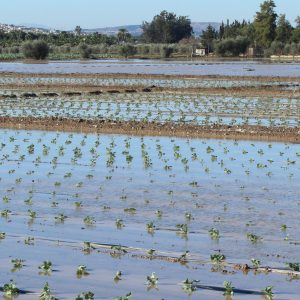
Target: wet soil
{"points": [[244, 132]]}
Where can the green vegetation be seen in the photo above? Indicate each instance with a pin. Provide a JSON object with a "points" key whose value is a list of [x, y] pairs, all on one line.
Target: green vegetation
{"points": [[127, 50], [10, 290], [167, 28], [35, 49], [165, 36], [46, 293]]}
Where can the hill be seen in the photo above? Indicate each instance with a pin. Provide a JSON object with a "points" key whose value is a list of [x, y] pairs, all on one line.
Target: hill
{"points": [[136, 30]]}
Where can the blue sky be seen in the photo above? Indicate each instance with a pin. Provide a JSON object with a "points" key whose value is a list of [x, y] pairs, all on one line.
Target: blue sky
{"points": [[66, 14]]}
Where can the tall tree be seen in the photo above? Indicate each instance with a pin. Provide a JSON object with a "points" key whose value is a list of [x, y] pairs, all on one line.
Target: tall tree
{"points": [[167, 28], [208, 36], [265, 24], [78, 30], [296, 32], [284, 29]]}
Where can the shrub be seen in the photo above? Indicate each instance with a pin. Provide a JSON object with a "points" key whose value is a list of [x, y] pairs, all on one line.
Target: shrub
{"points": [[127, 50], [166, 51], [85, 50], [232, 47], [35, 49]]}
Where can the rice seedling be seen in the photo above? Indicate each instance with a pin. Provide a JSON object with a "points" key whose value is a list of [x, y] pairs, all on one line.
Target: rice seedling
{"points": [[268, 291], [188, 286], [228, 288], [10, 290], [46, 293], [81, 271], [85, 296], [46, 267]]}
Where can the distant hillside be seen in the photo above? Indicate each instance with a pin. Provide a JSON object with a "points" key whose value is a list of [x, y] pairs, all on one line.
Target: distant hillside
{"points": [[136, 30]]}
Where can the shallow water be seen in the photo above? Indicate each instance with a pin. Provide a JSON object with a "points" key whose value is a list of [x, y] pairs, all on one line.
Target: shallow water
{"points": [[184, 108], [223, 68], [237, 187]]}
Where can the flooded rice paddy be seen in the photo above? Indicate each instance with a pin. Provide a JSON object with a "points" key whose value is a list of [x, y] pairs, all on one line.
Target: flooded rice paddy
{"points": [[160, 108], [226, 68], [182, 208], [163, 83], [101, 214]]}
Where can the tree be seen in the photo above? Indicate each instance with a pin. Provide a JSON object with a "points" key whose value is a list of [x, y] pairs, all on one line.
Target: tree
{"points": [[123, 35], [36, 49], [167, 28], [284, 29], [296, 32], [78, 30], [265, 24], [208, 36]]}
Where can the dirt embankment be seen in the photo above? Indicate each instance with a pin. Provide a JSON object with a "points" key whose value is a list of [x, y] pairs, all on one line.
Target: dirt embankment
{"points": [[150, 76], [284, 134]]}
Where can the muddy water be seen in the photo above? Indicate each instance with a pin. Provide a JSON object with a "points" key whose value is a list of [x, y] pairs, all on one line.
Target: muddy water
{"points": [[236, 187], [226, 68]]}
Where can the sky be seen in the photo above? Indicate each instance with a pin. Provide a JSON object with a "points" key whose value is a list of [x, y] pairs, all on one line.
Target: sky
{"points": [[66, 14]]}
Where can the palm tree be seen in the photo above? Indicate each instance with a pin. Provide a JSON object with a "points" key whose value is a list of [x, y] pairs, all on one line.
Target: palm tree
{"points": [[123, 35]]}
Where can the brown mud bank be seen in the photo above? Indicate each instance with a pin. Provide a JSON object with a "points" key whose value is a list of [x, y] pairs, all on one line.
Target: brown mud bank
{"points": [[267, 91], [244, 132], [150, 76]]}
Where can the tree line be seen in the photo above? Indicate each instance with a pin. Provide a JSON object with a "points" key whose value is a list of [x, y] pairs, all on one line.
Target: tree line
{"points": [[268, 33]]}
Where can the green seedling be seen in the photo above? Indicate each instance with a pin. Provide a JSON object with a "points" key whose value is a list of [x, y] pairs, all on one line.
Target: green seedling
{"points": [[118, 276], [152, 280], [87, 246], [85, 296], [283, 227], [255, 263], [46, 293], [159, 213], [5, 213], [217, 258], [60, 218], [119, 223], [17, 264], [188, 286], [151, 252], [46, 267], [182, 228], [188, 216], [294, 266], [268, 291], [29, 241], [32, 214], [10, 290], [214, 233], [253, 238], [130, 210], [184, 257], [118, 249], [78, 204], [228, 288], [126, 297], [88, 220], [81, 271]]}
